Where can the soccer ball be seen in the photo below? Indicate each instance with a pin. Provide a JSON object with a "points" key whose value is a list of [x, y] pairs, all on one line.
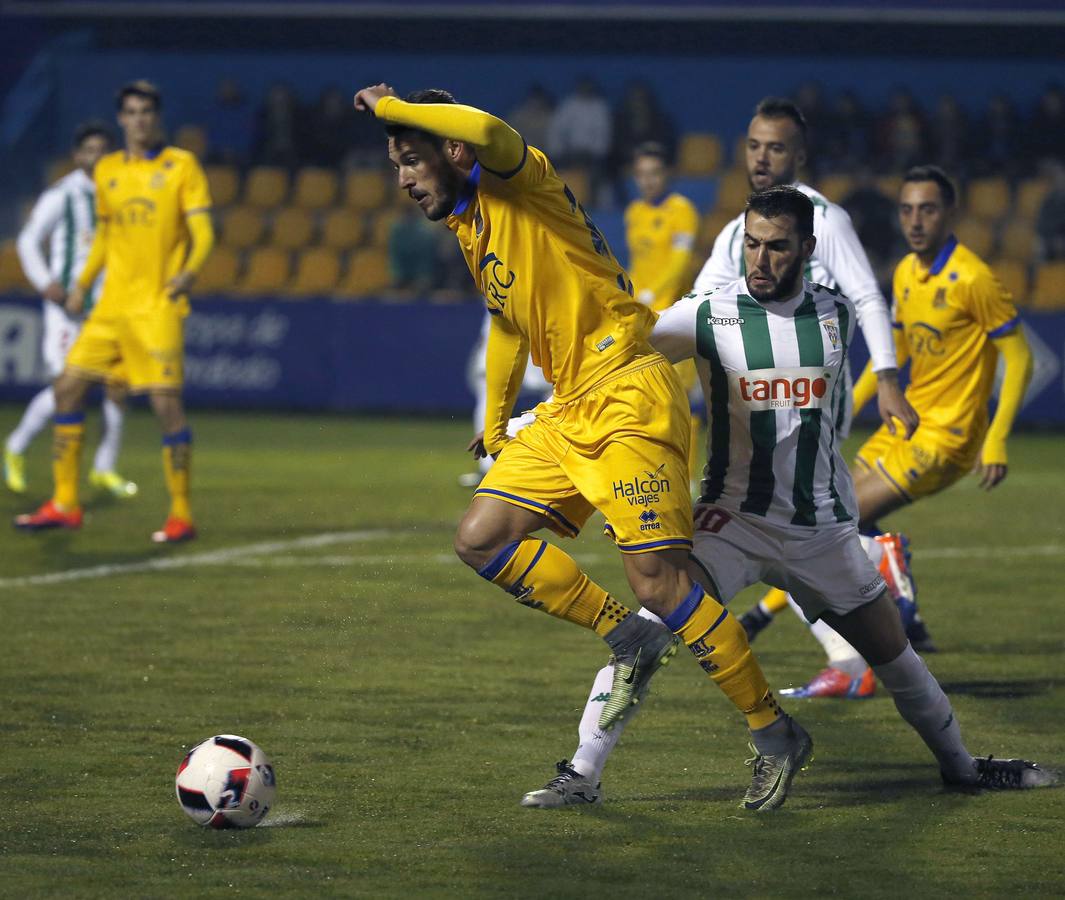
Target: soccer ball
{"points": [[226, 782]]}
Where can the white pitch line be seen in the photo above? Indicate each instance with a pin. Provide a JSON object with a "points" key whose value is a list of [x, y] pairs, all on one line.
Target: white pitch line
{"points": [[266, 555]]}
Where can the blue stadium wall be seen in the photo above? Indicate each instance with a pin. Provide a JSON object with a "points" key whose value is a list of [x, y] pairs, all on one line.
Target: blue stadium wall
{"points": [[373, 357]]}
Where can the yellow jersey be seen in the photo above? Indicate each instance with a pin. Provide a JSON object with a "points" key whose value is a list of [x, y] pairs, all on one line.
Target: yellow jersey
{"points": [[949, 313], [143, 203], [660, 237]]}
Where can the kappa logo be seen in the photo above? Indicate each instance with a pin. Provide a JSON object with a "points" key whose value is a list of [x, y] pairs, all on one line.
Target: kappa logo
{"points": [[866, 589], [649, 518], [724, 320], [805, 387]]}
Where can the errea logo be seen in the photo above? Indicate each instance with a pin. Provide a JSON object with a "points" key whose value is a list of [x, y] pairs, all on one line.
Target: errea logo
{"points": [[807, 387]]}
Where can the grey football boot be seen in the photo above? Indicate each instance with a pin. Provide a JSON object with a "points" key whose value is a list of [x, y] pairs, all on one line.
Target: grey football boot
{"points": [[567, 788]]}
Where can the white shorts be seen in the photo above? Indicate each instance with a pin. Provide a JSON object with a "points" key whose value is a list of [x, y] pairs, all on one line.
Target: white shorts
{"points": [[61, 329], [824, 568]]}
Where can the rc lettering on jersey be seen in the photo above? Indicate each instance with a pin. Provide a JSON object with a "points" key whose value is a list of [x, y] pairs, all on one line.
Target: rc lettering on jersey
{"points": [[925, 339], [643, 489], [137, 211], [496, 281], [806, 387]]}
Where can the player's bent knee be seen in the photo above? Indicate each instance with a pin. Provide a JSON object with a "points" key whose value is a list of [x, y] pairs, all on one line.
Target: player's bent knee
{"points": [[658, 580]]}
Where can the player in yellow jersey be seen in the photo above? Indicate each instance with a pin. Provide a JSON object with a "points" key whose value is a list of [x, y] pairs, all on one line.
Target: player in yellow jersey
{"points": [[154, 233], [615, 435], [660, 228]]}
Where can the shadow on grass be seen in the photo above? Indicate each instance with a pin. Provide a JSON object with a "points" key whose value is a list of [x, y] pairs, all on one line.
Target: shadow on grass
{"points": [[987, 688]]}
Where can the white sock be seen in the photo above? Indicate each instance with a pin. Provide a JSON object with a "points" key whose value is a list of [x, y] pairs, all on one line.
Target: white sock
{"points": [[111, 440], [39, 412], [921, 702], [841, 655], [595, 744]]}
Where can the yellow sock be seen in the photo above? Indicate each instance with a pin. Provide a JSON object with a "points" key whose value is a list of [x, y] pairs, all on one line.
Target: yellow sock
{"points": [[719, 644], [66, 458], [541, 576], [177, 457], [774, 601]]}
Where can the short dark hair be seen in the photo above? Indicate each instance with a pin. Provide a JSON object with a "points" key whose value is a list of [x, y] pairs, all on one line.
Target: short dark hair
{"points": [[936, 174], [139, 88], [783, 200], [653, 149], [782, 108], [93, 128], [425, 95]]}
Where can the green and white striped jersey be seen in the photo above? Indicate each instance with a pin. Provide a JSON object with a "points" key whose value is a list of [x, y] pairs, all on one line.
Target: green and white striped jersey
{"points": [[772, 376], [64, 217]]}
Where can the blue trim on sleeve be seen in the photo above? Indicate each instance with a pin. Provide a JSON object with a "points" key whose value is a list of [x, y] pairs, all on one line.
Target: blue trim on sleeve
{"points": [[178, 437], [943, 256], [676, 619], [1005, 328], [469, 191], [516, 169], [490, 571], [547, 510], [74, 418]]}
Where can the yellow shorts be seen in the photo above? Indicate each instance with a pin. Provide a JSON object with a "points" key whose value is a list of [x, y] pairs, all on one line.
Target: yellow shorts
{"points": [[914, 468], [687, 374], [149, 349], [622, 448]]}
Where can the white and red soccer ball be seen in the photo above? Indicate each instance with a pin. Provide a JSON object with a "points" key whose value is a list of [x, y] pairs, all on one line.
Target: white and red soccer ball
{"points": [[226, 782]]}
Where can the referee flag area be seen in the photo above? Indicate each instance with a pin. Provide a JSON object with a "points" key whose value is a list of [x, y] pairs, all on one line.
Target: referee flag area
{"points": [[407, 708]]}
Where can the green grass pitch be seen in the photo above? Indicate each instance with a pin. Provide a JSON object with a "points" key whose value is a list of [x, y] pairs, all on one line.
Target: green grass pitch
{"points": [[407, 705]]}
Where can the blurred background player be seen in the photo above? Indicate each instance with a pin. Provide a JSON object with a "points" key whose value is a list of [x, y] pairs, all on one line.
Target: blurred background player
{"points": [[154, 234], [775, 150], [779, 504], [64, 218], [660, 227], [614, 437]]}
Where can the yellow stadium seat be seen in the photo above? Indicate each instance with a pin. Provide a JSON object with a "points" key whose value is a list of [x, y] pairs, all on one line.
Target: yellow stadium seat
{"points": [[1019, 241], [889, 186], [267, 272], [315, 188], [266, 187], [242, 227], [1014, 278], [732, 192], [709, 228], [977, 235], [988, 198], [381, 226], [192, 138], [317, 272], [367, 274], [579, 184], [1048, 291], [836, 187], [293, 228], [342, 229], [224, 182], [739, 152], [12, 278], [699, 154], [366, 189], [219, 273], [1030, 196]]}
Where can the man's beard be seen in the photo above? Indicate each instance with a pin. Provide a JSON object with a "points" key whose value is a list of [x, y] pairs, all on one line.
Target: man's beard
{"points": [[785, 287]]}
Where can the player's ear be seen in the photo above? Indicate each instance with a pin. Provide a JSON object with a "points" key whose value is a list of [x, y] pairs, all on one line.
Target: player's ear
{"points": [[459, 154], [808, 245]]}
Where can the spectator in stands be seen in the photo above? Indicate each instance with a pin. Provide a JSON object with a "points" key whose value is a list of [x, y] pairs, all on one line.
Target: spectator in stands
{"points": [[1047, 131], [845, 138], [901, 139], [1050, 224], [950, 136], [638, 119], [230, 122], [997, 145], [532, 117], [279, 127], [414, 255], [330, 129], [810, 98], [875, 221], [580, 134]]}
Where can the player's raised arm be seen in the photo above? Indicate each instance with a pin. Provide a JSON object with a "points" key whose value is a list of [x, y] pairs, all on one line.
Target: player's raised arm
{"points": [[505, 360], [499, 147], [47, 212]]}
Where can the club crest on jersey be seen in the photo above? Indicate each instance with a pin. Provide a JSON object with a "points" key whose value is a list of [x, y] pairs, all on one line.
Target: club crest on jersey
{"points": [[643, 490], [806, 387], [157, 181], [940, 299], [832, 330]]}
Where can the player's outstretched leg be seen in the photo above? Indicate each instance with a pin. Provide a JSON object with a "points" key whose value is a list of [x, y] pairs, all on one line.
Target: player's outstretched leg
{"points": [[177, 467], [38, 413], [847, 676], [103, 474], [891, 554], [760, 616]]}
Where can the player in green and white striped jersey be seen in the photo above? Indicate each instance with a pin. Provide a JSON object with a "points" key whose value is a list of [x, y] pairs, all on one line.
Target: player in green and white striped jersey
{"points": [[64, 218], [777, 501]]}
